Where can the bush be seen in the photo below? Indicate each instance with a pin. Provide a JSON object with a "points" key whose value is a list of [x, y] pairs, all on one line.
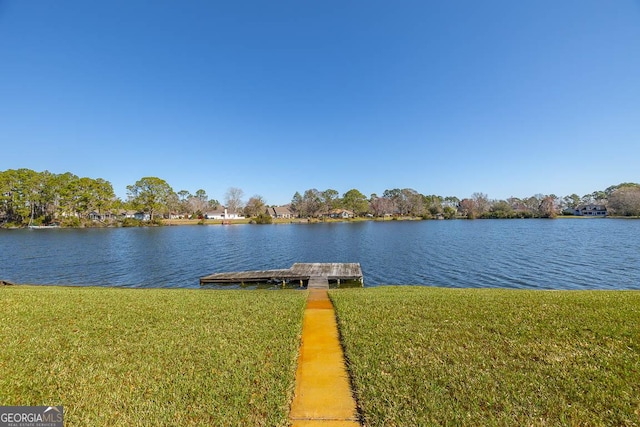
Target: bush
{"points": [[70, 221], [131, 222], [264, 218]]}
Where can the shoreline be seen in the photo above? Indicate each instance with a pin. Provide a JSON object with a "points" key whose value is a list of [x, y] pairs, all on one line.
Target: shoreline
{"points": [[251, 221]]}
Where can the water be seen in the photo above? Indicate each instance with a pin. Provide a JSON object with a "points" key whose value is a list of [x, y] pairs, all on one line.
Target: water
{"points": [[531, 254]]}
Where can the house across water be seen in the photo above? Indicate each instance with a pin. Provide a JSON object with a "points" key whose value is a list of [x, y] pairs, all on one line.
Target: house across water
{"points": [[590, 210]]}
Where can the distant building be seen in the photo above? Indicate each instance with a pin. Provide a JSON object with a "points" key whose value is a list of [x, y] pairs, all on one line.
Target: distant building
{"points": [[142, 216], [222, 213], [105, 216], [127, 214], [591, 210], [282, 212], [341, 213]]}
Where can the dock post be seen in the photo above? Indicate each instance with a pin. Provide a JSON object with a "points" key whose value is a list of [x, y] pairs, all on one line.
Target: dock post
{"points": [[301, 283], [283, 283]]}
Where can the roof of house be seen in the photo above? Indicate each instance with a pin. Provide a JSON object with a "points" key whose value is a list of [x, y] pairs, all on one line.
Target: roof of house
{"points": [[341, 211], [286, 209], [218, 211], [591, 207]]}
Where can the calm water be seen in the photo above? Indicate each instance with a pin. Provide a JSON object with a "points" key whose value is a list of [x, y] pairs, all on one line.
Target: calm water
{"points": [[546, 254]]}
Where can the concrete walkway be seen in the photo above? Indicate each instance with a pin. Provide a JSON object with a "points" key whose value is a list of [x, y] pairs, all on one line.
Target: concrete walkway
{"points": [[323, 396]]}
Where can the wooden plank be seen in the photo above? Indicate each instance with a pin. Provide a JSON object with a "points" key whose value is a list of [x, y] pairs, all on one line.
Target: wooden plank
{"points": [[330, 270], [299, 271], [318, 282]]}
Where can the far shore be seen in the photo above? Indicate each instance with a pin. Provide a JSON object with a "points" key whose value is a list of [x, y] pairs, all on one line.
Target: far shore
{"points": [[176, 222]]}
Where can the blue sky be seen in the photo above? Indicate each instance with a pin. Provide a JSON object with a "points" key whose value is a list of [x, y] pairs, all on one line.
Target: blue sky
{"points": [[508, 98]]}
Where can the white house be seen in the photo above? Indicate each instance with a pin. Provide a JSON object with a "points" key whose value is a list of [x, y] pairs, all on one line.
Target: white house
{"points": [[222, 213]]}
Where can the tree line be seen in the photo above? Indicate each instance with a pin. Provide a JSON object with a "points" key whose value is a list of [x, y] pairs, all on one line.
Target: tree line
{"points": [[622, 200], [27, 196]]}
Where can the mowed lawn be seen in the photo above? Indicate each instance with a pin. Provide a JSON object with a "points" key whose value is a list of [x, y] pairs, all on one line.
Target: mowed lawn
{"points": [[140, 357], [463, 357]]}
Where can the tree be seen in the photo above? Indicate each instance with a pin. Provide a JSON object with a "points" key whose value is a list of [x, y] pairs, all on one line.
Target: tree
{"points": [[233, 199], [532, 204], [572, 201], [311, 203], [92, 195], [433, 204], [501, 209], [329, 199], [468, 208], [547, 208], [451, 201], [199, 202], [481, 202], [625, 200], [183, 201], [355, 201], [407, 201], [150, 194], [296, 204], [255, 206], [381, 206], [599, 197]]}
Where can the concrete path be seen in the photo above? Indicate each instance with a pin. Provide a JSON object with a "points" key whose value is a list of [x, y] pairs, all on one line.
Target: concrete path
{"points": [[323, 396]]}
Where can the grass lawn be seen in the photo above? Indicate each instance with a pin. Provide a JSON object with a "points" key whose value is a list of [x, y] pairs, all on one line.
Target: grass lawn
{"points": [[430, 356], [151, 356]]}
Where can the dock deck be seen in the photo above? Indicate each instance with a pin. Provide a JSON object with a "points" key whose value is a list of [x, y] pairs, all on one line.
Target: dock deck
{"points": [[302, 272]]}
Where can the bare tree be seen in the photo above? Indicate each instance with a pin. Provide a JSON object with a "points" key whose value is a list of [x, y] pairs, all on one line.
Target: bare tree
{"points": [[413, 202], [625, 201], [381, 206], [408, 201], [548, 206], [233, 199], [199, 202], [481, 202], [467, 207]]}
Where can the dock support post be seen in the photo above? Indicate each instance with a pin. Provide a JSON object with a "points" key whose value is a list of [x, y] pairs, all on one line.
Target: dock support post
{"points": [[301, 283], [283, 283]]}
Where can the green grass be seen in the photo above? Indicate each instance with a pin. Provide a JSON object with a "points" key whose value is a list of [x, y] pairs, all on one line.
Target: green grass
{"points": [[151, 357], [429, 356]]}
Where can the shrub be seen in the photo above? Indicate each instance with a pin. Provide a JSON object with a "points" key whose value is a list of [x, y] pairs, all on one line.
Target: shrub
{"points": [[131, 222], [264, 218], [70, 221]]}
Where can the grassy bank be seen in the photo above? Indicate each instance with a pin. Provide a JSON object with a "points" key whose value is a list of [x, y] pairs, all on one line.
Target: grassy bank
{"points": [[429, 356], [151, 357]]}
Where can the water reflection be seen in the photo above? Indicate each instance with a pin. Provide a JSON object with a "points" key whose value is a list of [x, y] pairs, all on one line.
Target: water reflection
{"points": [[532, 254]]}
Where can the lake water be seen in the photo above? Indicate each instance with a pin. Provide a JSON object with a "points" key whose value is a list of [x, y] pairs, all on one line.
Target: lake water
{"points": [[531, 254]]}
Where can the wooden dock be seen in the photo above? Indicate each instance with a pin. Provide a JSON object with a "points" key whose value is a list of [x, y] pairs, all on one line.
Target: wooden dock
{"points": [[315, 275]]}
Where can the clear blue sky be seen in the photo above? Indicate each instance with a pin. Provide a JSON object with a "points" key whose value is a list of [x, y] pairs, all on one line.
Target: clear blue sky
{"points": [[508, 98]]}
